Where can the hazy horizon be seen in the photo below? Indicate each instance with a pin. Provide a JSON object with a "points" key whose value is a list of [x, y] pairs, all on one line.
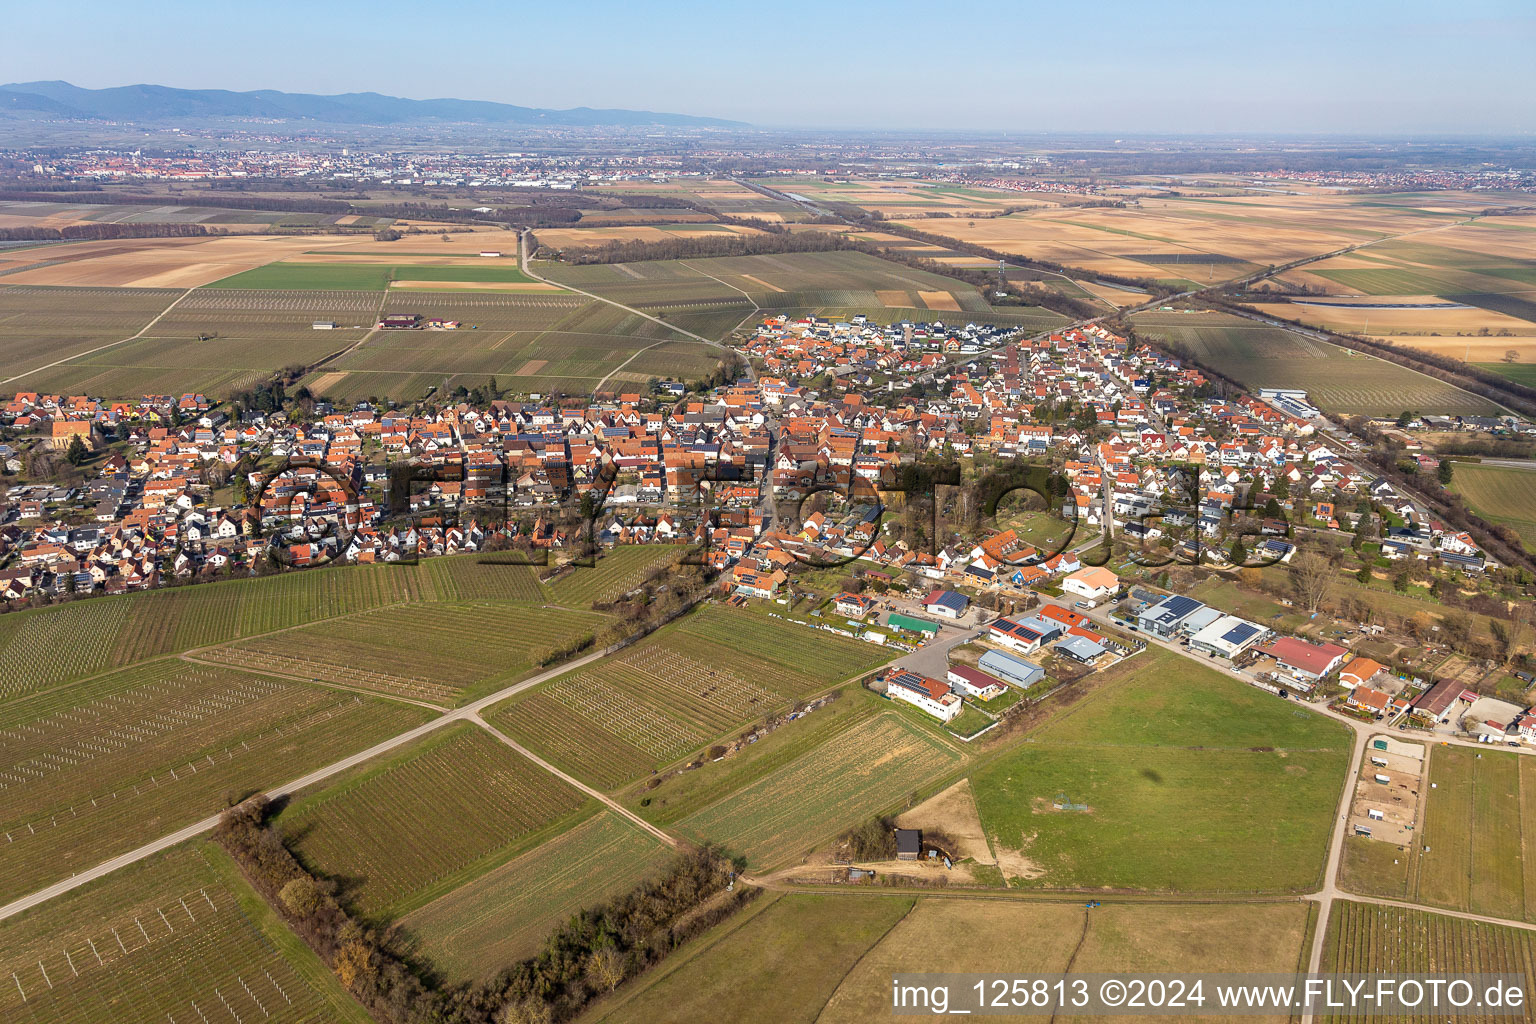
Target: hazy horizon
{"points": [[1315, 69]]}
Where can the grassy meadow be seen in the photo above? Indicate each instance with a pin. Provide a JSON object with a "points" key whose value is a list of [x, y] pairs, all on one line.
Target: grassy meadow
{"points": [[1189, 782]]}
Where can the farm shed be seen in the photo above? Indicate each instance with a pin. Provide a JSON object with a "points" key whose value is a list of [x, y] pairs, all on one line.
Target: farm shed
{"points": [[909, 623], [1010, 669], [1434, 702]]}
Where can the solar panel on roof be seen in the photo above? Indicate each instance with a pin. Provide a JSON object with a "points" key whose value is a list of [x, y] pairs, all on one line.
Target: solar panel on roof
{"points": [[1178, 606], [1240, 634]]}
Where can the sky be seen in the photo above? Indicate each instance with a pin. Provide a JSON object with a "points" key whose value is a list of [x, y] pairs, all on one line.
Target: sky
{"points": [[1346, 66]]}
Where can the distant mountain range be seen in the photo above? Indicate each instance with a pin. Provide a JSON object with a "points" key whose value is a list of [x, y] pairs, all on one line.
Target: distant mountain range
{"points": [[159, 103]]}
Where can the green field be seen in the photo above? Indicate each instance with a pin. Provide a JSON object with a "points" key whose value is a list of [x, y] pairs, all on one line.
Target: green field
{"points": [[677, 690], [362, 276], [441, 653], [505, 914], [1190, 782], [400, 831], [830, 957], [174, 937], [1501, 494], [1337, 381], [97, 768], [869, 768], [1520, 373], [1366, 939]]}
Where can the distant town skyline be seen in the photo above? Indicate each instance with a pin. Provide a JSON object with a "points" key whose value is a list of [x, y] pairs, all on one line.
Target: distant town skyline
{"points": [[1310, 67]]}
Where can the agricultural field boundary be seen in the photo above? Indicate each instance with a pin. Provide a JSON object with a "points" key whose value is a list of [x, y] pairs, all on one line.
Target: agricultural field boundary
{"points": [[466, 713], [102, 348], [608, 801], [522, 246]]}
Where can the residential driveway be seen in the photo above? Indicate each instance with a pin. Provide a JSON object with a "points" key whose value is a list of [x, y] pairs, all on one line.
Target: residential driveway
{"points": [[932, 659]]}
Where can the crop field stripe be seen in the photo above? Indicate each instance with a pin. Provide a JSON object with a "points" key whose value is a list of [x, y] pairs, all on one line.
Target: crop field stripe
{"points": [[92, 769], [455, 799], [864, 769], [504, 914], [149, 943]]}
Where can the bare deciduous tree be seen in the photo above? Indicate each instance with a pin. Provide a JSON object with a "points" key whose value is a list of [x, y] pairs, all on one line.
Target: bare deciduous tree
{"points": [[1312, 577], [605, 968]]}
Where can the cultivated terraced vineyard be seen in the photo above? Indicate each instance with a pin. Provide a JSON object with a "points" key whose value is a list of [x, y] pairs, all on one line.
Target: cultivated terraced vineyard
{"points": [[427, 652], [1368, 939], [392, 831], [505, 914], [860, 772], [616, 573], [660, 701], [491, 577], [813, 656], [92, 770], [164, 941], [53, 645]]}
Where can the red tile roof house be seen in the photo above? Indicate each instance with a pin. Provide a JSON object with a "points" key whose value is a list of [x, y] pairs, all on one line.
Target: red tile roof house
{"points": [[854, 606], [1367, 699], [933, 696], [1303, 661], [974, 683], [1435, 703]]}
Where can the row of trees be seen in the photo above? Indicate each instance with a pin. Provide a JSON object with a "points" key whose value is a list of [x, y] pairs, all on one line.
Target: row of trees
{"points": [[592, 954], [96, 232], [222, 200]]}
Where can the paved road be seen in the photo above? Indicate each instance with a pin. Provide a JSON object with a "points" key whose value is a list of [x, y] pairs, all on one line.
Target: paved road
{"points": [[469, 713], [932, 659]]}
